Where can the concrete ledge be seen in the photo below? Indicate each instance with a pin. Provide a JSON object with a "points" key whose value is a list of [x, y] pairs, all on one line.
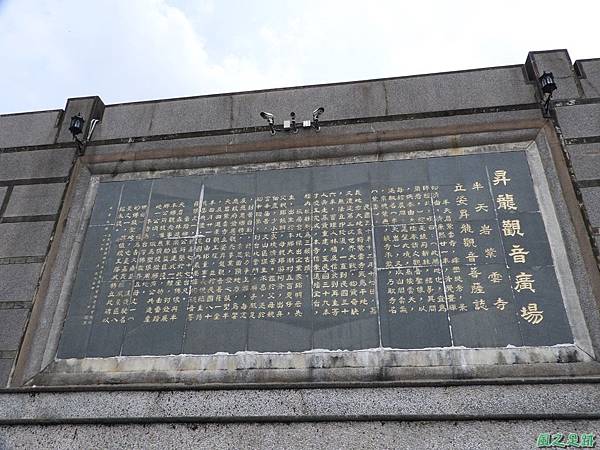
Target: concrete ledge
{"points": [[547, 401], [431, 434]]}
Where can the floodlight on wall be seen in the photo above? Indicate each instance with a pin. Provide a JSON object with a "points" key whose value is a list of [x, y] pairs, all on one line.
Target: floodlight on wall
{"points": [[548, 86], [270, 118], [315, 115]]}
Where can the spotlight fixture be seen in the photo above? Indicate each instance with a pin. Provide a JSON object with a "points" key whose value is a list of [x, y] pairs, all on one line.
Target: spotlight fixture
{"points": [[315, 115], [270, 118], [548, 86]]}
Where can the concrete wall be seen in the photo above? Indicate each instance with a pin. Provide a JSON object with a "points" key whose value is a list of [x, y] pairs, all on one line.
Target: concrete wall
{"points": [[33, 175], [36, 163]]}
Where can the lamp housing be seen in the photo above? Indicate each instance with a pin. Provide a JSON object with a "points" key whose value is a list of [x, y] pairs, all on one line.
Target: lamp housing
{"points": [[547, 83], [76, 126]]}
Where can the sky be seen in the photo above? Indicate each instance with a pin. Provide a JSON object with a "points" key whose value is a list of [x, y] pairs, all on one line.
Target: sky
{"points": [[132, 50]]}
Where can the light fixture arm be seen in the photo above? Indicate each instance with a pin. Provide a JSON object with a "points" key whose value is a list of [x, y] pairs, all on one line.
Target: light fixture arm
{"points": [[546, 105]]}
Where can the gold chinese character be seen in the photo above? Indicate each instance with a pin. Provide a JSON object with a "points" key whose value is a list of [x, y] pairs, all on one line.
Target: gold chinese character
{"points": [[524, 281], [532, 314], [506, 201], [459, 188], [481, 207], [490, 252], [495, 277], [518, 254], [469, 242], [477, 186], [500, 304], [471, 257], [480, 304], [512, 227], [485, 230], [474, 273], [466, 228], [462, 200], [500, 177], [477, 288]]}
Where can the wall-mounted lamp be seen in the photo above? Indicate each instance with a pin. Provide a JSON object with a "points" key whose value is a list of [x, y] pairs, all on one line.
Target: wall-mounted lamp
{"points": [[315, 115], [548, 86], [270, 118], [76, 128]]}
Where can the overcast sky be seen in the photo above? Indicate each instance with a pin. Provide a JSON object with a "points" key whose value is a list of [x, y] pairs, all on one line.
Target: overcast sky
{"points": [[129, 50]]}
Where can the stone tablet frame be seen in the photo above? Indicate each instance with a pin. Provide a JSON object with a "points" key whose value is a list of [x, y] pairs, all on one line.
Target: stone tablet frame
{"points": [[37, 364]]}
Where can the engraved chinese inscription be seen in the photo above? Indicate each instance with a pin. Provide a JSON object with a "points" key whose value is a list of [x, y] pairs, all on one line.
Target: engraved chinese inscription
{"points": [[436, 252]]}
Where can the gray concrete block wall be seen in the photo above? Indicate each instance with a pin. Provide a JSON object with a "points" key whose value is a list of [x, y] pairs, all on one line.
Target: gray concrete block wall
{"points": [[585, 160], [575, 109], [590, 76], [28, 129], [591, 199], [18, 281], [33, 181], [35, 199], [469, 89], [36, 164], [34, 170], [559, 63], [579, 120], [28, 213]]}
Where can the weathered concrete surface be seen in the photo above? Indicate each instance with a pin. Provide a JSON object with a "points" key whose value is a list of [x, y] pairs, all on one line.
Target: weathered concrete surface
{"points": [[590, 69], [445, 435], [37, 128], [591, 199], [419, 94], [579, 120], [559, 63], [36, 164], [377, 402], [35, 199], [585, 159], [13, 324], [5, 367], [24, 239]]}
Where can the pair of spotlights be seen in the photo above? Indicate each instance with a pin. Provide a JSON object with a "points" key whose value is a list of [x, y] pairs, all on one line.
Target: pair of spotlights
{"points": [[270, 118]]}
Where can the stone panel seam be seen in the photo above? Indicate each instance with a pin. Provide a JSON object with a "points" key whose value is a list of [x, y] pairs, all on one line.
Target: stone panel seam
{"points": [[274, 386], [27, 181], [15, 305], [34, 218], [583, 140], [22, 260], [5, 201], [8, 354], [307, 418], [33, 148], [589, 183], [575, 102]]}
